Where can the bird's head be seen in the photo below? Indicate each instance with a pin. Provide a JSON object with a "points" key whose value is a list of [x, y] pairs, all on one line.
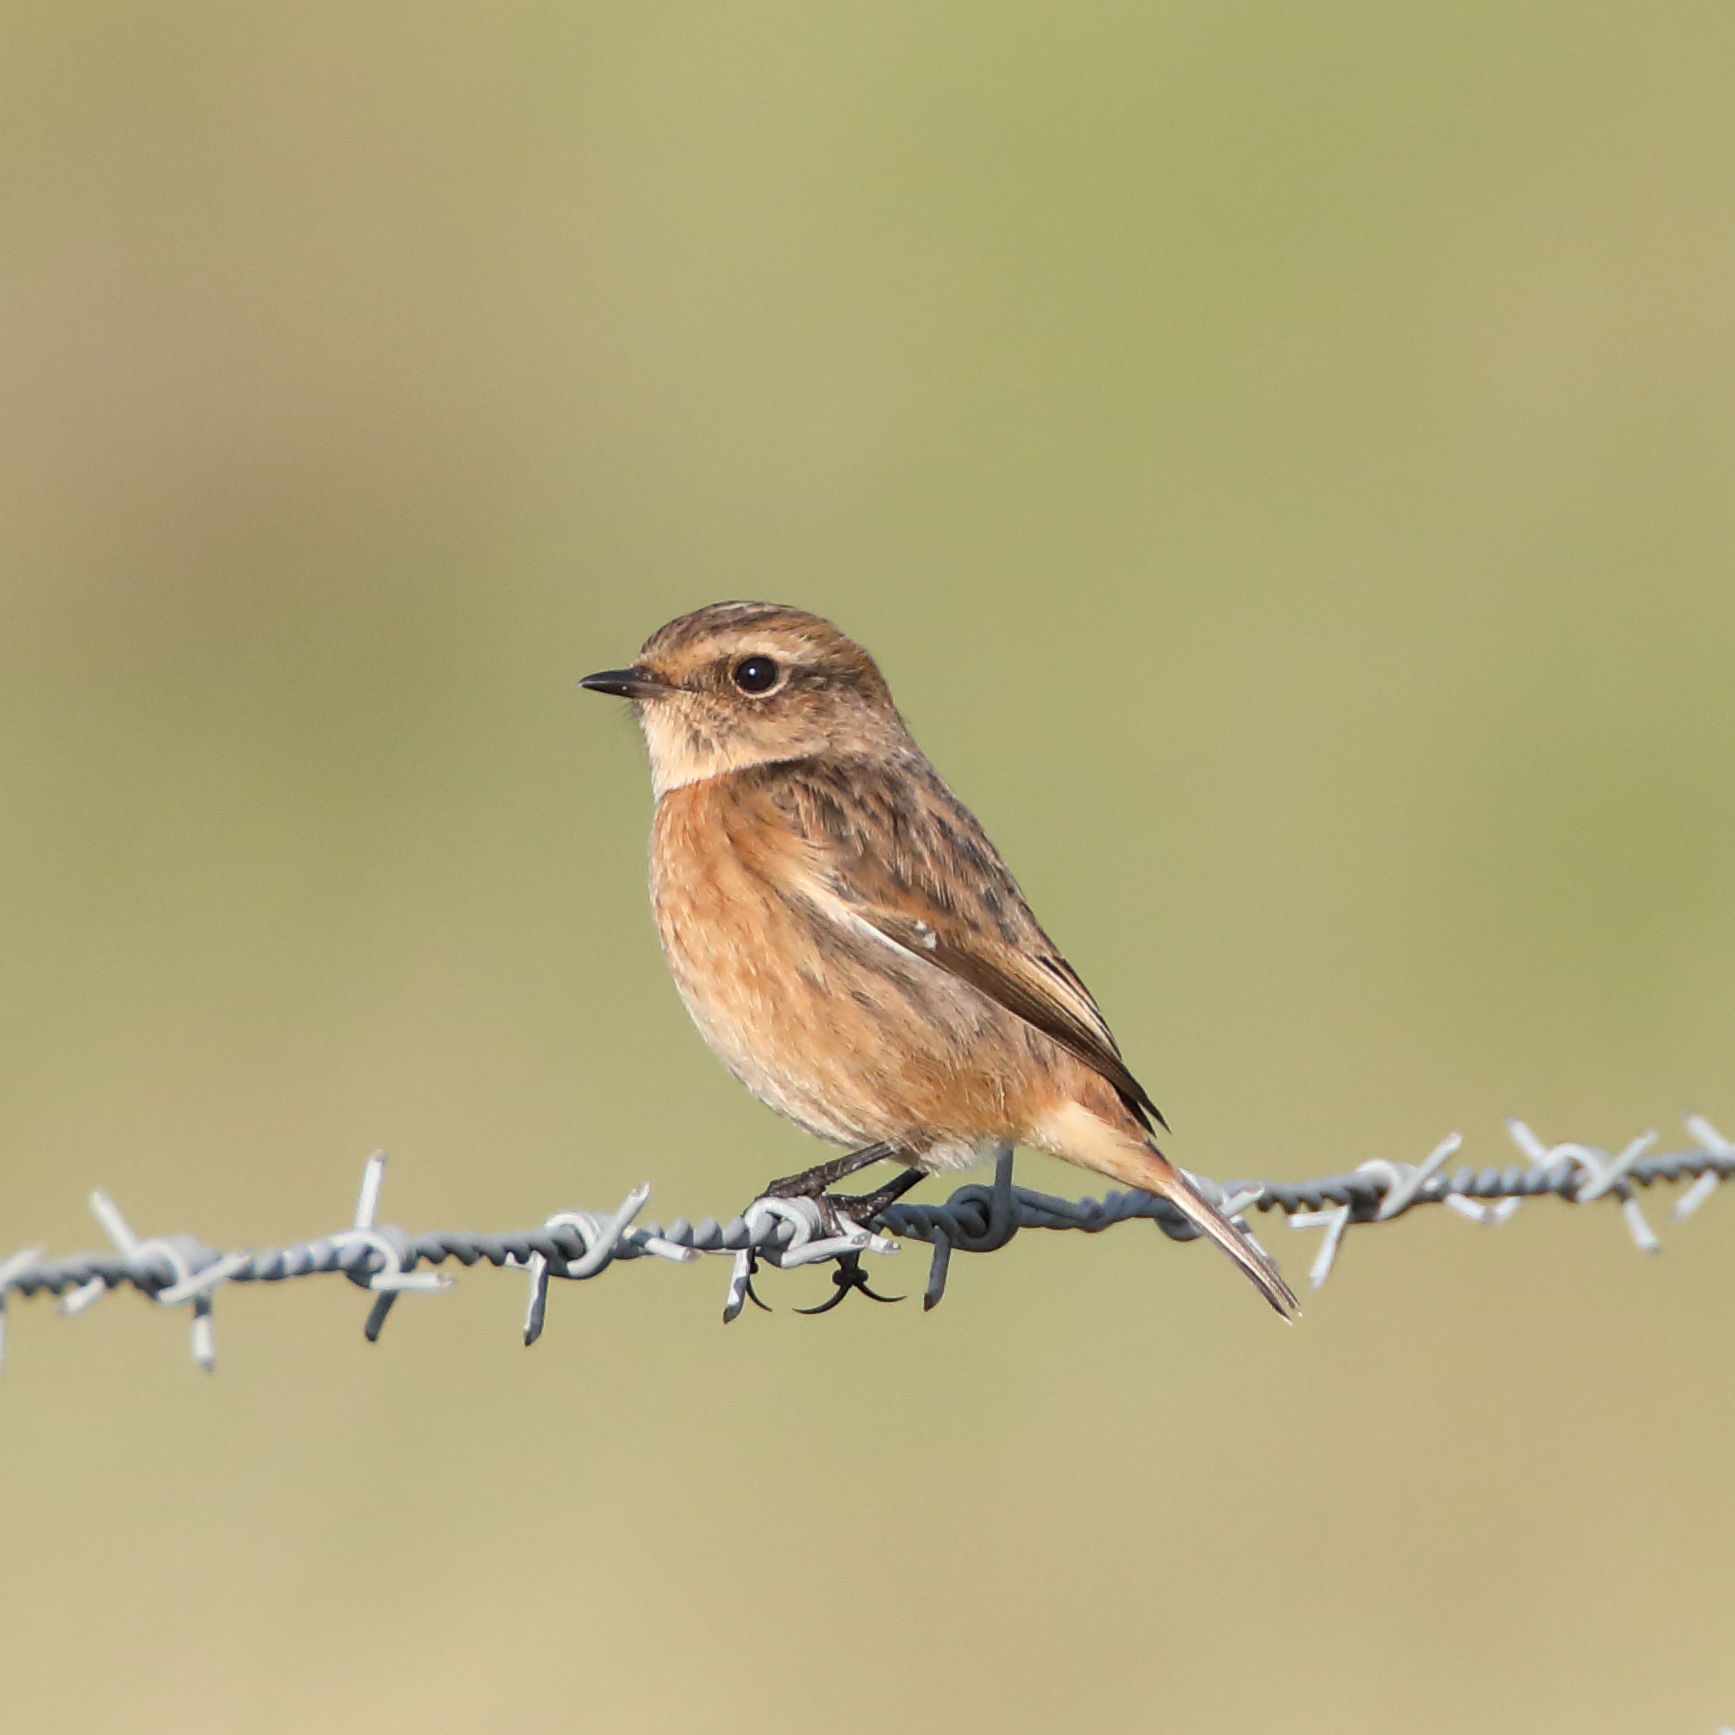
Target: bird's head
{"points": [[738, 684]]}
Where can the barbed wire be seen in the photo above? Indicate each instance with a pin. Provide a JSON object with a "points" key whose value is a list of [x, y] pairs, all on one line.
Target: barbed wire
{"points": [[178, 1270]]}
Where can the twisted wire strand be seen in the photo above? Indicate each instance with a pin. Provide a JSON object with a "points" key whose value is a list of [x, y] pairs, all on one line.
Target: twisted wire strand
{"points": [[178, 1269]]}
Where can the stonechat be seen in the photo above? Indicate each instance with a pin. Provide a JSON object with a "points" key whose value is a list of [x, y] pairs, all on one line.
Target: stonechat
{"points": [[847, 939]]}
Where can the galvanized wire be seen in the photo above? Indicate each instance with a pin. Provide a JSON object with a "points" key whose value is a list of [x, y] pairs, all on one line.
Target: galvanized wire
{"points": [[179, 1270]]}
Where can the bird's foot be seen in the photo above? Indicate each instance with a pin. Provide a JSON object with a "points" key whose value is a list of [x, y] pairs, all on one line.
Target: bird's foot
{"points": [[818, 1230]]}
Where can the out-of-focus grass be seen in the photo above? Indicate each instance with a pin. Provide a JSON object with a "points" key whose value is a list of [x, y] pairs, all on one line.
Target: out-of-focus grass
{"points": [[1282, 461]]}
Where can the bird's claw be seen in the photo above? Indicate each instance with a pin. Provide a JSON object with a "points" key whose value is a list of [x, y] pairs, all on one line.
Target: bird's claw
{"points": [[847, 1274], [749, 1291]]}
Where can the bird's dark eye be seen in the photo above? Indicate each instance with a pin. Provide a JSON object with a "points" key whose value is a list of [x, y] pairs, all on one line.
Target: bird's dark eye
{"points": [[756, 674]]}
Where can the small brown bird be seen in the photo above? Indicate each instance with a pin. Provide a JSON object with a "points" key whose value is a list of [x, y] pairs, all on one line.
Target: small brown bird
{"points": [[848, 940]]}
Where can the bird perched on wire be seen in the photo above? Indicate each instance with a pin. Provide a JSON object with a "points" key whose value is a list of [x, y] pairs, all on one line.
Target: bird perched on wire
{"points": [[848, 940]]}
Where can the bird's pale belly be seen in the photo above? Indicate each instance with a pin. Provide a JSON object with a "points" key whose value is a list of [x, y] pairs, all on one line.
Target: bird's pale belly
{"points": [[842, 1034]]}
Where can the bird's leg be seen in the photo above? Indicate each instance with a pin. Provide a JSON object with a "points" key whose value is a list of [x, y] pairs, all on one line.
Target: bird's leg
{"points": [[811, 1183], [865, 1207]]}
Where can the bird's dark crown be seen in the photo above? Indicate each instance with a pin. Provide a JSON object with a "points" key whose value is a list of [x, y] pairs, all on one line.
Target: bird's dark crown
{"points": [[699, 649]]}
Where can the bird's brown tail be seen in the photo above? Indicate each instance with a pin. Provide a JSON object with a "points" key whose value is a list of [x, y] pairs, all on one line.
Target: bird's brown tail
{"points": [[1260, 1267], [1082, 1137]]}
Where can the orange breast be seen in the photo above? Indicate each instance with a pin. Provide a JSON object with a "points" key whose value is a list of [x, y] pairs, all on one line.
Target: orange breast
{"points": [[841, 1032]]}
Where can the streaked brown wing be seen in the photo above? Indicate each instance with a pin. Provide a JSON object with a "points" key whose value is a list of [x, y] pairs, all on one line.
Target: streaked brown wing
{"points": [[902, 853]]}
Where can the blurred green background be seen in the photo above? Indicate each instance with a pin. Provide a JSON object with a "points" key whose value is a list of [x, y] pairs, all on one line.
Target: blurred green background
{"points": [[1281, 456]]}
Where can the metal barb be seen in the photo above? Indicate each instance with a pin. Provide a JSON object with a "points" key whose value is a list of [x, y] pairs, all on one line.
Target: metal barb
{"points": [[1527, 1141], [77, 1300], [198, 1286], [396, 1252], [938, 1268], [602, 1236], [203, 1334], [1609, 1174], [1712, 1141], [1696, 1195], [1604, 1174], [1401, 1194], [185, 1282], [1334, 1223], [740, 1290], [1644, 1237], [1232, 1205], [373, 1178], [107, 1213]]}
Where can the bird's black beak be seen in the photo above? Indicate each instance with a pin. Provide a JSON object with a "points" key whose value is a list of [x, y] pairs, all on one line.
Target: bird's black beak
{"points": [[632, 683]]}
